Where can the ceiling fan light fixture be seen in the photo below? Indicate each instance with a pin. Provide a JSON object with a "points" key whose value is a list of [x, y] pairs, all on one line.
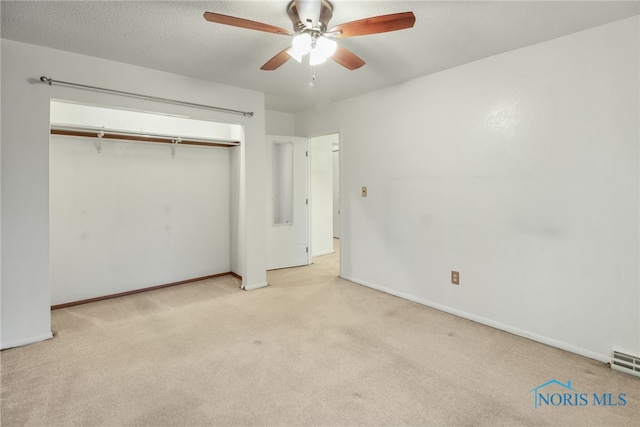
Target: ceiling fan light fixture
{"points": [[295, 55], [326, 47], [302, 44], [316, 57]]}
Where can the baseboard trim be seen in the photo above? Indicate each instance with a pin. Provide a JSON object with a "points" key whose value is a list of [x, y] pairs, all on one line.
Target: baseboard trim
{"points": [[20, 343], [255, 286], [236, 275], [137, 291], [488, 322]]}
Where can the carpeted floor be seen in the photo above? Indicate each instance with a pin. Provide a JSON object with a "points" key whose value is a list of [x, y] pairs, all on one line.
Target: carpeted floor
{"points": [[310, 349]]}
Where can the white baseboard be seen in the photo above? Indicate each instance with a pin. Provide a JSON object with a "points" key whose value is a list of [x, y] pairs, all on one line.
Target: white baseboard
{"points": [[255, 286], [26, 341], [497, 325]]}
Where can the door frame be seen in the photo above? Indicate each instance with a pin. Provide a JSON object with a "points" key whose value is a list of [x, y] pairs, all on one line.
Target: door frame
{"points": [[340, 187]]}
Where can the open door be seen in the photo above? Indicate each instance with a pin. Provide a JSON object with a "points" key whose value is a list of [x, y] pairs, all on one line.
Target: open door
{"points": [[287, 202]]}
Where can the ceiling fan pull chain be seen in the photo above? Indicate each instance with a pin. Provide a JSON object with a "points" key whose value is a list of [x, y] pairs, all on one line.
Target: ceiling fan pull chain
{"points": [[312, 77]]}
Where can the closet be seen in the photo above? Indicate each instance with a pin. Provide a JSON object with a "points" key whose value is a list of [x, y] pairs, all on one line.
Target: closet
{"points": [[137, 200]]}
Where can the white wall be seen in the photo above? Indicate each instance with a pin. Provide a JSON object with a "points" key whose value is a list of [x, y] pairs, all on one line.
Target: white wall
{"points": [[25, 166], [321, 193], [135, 215], [278, 123], [520, 171]]}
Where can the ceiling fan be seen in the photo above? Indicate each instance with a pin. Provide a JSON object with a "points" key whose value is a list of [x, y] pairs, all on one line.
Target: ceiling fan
{"points": [[312, 35]]}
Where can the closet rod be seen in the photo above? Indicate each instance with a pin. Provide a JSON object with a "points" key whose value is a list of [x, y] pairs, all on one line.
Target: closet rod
{"points": [[51, 81], [135, 136]]}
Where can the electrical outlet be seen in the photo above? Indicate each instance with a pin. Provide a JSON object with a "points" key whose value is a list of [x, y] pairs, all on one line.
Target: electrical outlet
{"points": [[364, 191], [455, 277]]}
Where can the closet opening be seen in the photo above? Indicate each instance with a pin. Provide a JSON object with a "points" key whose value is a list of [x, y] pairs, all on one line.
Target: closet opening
{"points": [[139, 200]]}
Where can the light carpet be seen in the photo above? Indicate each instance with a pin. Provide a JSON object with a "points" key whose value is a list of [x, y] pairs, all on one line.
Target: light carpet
{"points": [[309, 350]]}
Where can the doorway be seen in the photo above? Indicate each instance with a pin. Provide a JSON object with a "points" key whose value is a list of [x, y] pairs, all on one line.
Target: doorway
{"points": [[324, 159]]}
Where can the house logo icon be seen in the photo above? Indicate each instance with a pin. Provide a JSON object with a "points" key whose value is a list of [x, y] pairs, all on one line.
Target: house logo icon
{"points": [[540, 398]]}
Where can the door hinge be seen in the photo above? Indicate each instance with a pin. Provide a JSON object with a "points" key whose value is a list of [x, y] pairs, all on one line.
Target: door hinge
{"points": [[307, 201], [307, 249], [306, 154]]}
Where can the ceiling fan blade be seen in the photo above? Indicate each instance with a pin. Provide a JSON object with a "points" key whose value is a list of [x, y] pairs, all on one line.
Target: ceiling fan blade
{"points": [[219, 18], [347, 59], [275, 62], [376, 24]]}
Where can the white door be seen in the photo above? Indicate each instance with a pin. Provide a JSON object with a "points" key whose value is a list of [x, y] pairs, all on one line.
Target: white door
{"points": [[287, 202]]}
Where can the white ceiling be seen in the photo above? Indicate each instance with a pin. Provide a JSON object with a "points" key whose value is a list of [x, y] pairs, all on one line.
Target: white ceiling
{"points": [[173, 36]]}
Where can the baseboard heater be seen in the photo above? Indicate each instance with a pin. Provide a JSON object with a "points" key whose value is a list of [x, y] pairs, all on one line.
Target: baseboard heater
{"points": [[625, 363]]}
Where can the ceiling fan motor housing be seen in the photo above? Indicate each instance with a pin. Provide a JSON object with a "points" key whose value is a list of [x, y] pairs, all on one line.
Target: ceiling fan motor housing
{"points": [[326, 13]]}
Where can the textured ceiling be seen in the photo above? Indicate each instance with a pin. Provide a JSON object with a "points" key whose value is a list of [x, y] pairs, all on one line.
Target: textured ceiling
{"points": [[173, 36]]}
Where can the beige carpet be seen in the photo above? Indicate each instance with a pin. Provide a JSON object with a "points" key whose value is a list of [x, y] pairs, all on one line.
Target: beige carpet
{"points": [[311, 349]]}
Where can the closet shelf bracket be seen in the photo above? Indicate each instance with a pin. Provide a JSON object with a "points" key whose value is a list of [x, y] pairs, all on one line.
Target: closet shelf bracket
{"points": [[98, 142], [174, 144]]}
